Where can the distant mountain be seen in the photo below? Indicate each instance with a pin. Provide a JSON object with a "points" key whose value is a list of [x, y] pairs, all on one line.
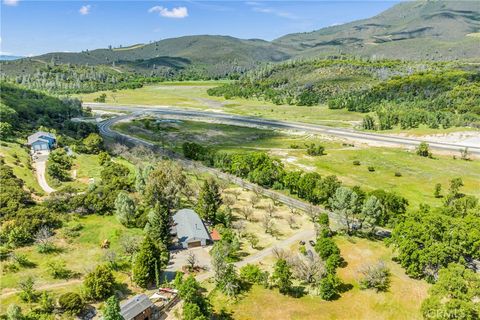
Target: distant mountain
{"points": [[433, 30], [421, 30], [4, 57]]}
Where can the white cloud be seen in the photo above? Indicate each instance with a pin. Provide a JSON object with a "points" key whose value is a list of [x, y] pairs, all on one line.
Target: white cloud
{"points": [[84, 10], [179, 12], [11, 2]]}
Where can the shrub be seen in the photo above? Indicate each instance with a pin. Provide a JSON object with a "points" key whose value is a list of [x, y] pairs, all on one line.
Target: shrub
{"points": [[253, 274], [57, 270], [325, 247], [376, 277], [398, 174], [371, 169], [100, 283], [71, 302], [356, 162], [329, 287]]}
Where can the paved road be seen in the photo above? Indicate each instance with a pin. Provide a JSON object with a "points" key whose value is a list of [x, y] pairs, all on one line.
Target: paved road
{"points": [[40, 165], [366, 137]]}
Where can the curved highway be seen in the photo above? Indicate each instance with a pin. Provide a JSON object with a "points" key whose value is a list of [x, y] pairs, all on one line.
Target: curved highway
{"points": [[372, 138]]}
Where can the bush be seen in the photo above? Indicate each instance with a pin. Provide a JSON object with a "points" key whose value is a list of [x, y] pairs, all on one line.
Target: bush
{"points": [[325, 247], [100, 283], [376, 277], [356, 162], [314, 150], [329, 287], [398, 174], [71, 302], [371, 169], [253, 274], [57, 270]]}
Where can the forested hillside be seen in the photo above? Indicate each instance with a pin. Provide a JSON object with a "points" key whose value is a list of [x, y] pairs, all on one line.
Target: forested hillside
{"points": [[412, 31], [400, 93]]}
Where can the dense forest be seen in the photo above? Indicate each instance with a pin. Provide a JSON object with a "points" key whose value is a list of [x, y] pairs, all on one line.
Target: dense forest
{"points": [[397, 93]]}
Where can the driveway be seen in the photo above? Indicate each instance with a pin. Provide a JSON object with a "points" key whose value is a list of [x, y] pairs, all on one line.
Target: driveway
{"points": [[40, 165], [178, 259]]}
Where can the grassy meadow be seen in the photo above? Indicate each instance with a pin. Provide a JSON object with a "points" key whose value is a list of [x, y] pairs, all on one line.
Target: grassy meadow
{"points": [[416, 183], [401, 302]]}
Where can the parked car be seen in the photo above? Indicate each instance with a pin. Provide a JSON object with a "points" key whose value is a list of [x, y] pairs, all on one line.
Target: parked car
{"points": [[302, 243], [312, 243]]}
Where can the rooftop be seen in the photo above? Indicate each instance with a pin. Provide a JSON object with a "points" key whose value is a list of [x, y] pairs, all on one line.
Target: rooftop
{"points": [[38, 136], [134, 306], [189, 226]]}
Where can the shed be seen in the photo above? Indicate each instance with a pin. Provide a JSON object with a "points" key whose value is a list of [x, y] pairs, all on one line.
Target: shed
{"points": [[41, 141], [137, 308], [190, 229]]}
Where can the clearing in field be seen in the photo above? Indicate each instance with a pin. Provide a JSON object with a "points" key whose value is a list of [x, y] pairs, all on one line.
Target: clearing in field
{"points": [[402, 301]]}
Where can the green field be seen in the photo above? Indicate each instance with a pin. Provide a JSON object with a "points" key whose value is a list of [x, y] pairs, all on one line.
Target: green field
{"points": [[402, 301], [193, 94], [416, 183], [81, 254]]}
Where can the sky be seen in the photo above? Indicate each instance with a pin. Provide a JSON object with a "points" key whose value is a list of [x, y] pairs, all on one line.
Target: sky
{"points": [[35, 27]]}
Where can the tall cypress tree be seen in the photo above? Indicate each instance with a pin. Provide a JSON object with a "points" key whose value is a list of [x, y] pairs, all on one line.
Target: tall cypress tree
{"points": [[145, 262]]}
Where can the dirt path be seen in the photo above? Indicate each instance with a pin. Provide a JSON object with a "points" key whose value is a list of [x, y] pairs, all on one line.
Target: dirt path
{"points": [[44, 287], [40, 166]]}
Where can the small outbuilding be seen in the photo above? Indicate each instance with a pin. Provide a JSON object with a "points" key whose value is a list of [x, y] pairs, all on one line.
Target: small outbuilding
{"points": [[137, 308], [190, 229], [41, 141]]}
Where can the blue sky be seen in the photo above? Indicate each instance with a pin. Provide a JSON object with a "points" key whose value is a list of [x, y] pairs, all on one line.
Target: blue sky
{"points": [[36, 27]]}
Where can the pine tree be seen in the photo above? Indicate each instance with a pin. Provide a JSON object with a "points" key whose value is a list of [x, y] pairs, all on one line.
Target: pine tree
{"points": [[209, 201], [158, 225], [145, 261], [111, 310], [282, 276]]}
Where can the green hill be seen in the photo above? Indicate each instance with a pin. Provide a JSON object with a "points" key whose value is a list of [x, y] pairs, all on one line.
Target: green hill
{"points": [[419, 30]]}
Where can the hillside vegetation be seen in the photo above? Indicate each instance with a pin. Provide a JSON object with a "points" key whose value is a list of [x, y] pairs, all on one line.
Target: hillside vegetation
{"points": [[401, 93], [414, 31]]}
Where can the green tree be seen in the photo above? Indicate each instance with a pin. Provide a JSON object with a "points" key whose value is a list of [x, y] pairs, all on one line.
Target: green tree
{"points": [[158, 225], [47, 305], [282, 276], [453, 295], [100, 283], [346, 204], [6, 130], [325, 247], [438, 190], [165, 185], [125, 209], [192, 311], [111, 310], [93, 143], [147, 263], [328, 287], [209, 201], [368, 123], [371, 213], [423, 150], [27, 290], [71, 302], [191, 293]]}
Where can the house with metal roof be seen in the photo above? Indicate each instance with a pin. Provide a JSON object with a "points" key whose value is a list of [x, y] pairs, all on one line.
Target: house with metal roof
{"points": [[190, 229], [41, 141], [137, 308]]}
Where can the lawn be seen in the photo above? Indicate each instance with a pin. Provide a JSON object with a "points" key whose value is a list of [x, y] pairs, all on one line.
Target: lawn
{"points": [[18, 157], [416, 183], [402, 301], [81, 254]]}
